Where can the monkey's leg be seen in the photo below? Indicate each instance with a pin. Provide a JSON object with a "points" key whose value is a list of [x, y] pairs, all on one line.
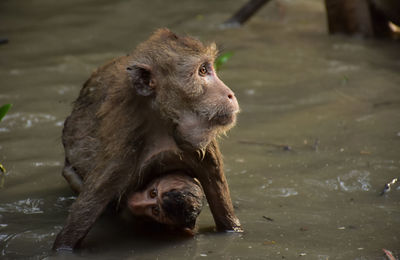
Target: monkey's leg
{"points": [[217, 193], [91, 202], [84, 212], [74, 180]]}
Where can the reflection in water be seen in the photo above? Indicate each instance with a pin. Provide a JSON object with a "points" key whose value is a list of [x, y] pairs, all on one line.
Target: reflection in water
{"points": [[320, 116]]}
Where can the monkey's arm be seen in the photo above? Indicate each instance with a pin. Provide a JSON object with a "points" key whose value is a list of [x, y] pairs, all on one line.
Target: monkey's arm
{"points": [[216, 190]]}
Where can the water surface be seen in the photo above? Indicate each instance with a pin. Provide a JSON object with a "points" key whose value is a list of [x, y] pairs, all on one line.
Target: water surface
{"points": [[317, 138]]}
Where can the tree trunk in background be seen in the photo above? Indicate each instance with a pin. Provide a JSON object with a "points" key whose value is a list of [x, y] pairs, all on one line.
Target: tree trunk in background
{"points": [[356, 17]]}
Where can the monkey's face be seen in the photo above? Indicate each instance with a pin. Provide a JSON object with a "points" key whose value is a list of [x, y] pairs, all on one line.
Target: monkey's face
{"points": [[152, 200], [217, 103], [208, 106], [178, 76]]}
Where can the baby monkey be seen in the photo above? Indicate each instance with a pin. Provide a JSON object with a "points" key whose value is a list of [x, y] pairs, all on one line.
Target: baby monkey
{"points": [[174, 199]]}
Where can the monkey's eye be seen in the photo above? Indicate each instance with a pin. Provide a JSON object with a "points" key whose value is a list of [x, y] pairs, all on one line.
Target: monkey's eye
{"points": [[203, 70], [153, 193], [155, 211]]}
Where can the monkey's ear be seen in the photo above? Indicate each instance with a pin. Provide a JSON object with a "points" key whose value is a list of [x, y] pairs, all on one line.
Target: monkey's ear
{"points": [[142, 79]]}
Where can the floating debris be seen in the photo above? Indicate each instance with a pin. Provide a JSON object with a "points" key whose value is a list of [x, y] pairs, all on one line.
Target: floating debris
{"points": [[348, 227], [316, 145], [284, 147], [388, 185], [389, 254], [287, 148], [268, 218]]}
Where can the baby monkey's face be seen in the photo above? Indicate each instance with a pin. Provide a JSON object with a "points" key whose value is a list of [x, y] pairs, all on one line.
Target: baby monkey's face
{"points": [[149, 201]]}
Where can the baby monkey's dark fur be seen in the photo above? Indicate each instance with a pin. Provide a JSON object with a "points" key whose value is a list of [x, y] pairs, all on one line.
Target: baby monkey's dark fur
{"points": [[156, 111]]}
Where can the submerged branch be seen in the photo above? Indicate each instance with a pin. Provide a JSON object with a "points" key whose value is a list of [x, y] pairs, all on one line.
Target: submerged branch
{"points": [[244, 13]]}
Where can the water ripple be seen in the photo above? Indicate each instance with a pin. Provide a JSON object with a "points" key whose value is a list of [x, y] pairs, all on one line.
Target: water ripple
{"points": [[25, 120], [281, 192], [27, 206], [355, 180]]}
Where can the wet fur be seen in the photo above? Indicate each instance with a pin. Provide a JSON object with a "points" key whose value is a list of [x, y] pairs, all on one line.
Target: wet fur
{"points": [[117, 140]]}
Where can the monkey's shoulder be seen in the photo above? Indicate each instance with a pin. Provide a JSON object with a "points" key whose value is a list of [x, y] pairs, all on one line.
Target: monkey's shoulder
{"points": [[105, 78]]}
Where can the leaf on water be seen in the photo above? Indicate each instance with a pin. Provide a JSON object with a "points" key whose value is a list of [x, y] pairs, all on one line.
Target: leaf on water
{"points": [[389, 254], [269, 242], [2, 175], [222, 59], [3, 110]]}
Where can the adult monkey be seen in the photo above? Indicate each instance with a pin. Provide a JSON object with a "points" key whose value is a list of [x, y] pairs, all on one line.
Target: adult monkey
{"points": [[144, 115]]}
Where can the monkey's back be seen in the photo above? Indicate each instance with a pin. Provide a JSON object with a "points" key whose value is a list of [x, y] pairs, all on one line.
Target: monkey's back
{"points": [[80, 135]]}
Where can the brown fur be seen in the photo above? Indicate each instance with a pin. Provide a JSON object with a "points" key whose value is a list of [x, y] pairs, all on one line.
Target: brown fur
{"points": [[144, 115]]}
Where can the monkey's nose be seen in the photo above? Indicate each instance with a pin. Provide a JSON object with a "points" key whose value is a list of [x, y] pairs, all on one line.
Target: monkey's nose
{"points": [[231, 97], [138, 204], [233, 102]]}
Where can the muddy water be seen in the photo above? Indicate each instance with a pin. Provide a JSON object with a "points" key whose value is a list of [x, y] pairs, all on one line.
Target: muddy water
{"points": [[318, 136]]}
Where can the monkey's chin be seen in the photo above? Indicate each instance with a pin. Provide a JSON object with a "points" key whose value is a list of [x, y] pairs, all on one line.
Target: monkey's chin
{"points": [[226, 121], [198, 131]]}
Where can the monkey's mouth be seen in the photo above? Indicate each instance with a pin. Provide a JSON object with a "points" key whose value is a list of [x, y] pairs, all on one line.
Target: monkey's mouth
{"points": [[224, 119]]}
